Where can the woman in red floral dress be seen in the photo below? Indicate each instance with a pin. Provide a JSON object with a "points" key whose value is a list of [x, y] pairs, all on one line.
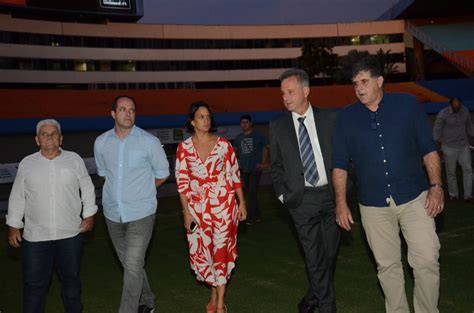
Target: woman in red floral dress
{"points": [[208, 179]]}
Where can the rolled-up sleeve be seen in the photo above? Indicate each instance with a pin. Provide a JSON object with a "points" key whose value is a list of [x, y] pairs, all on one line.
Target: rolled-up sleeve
{"points": [[234, 167], [438, 126], [469, 125], [99, 161], [17, 201], [160, 164], [424, 134], [89, 207], [340, 154], [181, 171]]}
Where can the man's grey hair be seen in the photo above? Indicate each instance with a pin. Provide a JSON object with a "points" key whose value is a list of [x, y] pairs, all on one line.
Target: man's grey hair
{"points": [[48, 121], [301, 76]]}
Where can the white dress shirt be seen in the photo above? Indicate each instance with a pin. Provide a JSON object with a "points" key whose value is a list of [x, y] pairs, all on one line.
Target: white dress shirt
{"points": [[313, 136], [46, 196]]}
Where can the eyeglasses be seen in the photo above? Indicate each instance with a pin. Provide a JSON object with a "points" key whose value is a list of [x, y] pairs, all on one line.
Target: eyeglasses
{"points": [[53, 135], [373, 120]]}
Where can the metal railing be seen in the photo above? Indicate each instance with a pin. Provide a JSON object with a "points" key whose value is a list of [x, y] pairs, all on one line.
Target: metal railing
{"points": [[452, 56]]}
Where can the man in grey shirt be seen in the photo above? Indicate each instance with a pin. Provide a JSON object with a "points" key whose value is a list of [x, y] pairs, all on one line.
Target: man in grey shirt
{"points": [[452, 129]]}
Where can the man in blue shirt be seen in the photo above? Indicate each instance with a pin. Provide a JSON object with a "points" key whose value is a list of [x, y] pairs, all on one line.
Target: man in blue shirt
{"points": [[387, 139], [133, 163], [253, 152]]}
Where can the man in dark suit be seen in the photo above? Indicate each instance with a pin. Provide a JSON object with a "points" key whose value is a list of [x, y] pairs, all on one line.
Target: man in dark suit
{"points": [[300, 143]]}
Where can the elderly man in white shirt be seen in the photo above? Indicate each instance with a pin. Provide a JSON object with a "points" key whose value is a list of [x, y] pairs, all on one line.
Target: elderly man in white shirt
{"points": [[53, 200]]}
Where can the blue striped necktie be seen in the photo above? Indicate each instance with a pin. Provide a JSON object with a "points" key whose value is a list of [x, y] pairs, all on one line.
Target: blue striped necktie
{"points": [[307, 156]]}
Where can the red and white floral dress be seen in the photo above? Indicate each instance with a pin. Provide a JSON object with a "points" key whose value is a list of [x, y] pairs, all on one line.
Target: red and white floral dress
{"points": [[209, 186]]}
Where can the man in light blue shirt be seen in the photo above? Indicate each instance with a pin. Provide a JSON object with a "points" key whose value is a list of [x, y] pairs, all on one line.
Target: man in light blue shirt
{"points": [[133, 163]]}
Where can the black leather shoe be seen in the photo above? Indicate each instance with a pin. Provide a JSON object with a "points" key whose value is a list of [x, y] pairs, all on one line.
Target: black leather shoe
{"points": [[145, 309], [305, 307]]}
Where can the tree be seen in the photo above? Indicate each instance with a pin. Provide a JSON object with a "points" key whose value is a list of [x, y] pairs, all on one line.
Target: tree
{"points": [[387, 62], [343, 75], [317, 59]]}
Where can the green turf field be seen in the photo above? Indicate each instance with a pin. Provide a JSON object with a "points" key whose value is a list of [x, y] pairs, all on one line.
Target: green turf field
{"points": [[270, 275]]}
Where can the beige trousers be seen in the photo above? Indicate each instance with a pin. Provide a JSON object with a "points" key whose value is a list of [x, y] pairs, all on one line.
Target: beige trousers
{"points": [[382, 227]]}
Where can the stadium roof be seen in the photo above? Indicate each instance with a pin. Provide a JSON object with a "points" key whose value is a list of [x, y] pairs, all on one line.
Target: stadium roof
{"points": [[455, 37]]}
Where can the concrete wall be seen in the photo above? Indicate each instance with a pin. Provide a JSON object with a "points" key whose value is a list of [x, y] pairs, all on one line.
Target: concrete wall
{"points": [[122, 30]]}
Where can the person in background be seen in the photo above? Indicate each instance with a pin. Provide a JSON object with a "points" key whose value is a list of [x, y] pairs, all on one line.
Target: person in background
{"points": [[208, 180], [386, 136], [134, 164], [53, 201], [452, 129], [253, 151]]}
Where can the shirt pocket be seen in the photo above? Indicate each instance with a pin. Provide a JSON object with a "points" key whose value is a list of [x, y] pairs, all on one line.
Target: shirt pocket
{"points": [[137, 158]]}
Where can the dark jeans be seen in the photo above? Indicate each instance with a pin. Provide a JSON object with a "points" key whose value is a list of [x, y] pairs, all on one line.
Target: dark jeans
{"points": [[250, 181], [39, 261]]}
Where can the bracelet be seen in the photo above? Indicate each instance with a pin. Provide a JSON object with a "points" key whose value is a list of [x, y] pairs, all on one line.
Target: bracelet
{"points": [[436, 185]]}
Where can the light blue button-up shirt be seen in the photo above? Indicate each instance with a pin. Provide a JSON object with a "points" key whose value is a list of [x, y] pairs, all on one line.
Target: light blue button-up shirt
{"points": [[130, 167]]}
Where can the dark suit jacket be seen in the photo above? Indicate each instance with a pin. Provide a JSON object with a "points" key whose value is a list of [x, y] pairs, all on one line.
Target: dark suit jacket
{"points": [[286, 167]]}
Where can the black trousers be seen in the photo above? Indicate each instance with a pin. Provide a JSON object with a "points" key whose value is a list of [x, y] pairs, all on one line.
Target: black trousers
{"points": [[315, 222]]}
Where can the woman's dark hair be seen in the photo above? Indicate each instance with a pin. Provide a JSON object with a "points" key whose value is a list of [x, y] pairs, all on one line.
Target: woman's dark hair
{"points": [[192, 112]]}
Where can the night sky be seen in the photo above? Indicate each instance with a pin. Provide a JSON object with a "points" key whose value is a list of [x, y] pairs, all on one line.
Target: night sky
{"points": [[235, 12]]}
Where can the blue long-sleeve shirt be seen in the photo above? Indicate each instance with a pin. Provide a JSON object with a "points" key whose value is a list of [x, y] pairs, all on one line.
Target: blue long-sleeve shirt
{"points": [[386, 148], [130, 167]]}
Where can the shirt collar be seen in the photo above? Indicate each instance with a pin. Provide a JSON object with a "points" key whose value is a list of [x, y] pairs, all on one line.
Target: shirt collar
{"points": [[133, 132], [309, 112], [380, 105], [451, 110], [60, 155]]}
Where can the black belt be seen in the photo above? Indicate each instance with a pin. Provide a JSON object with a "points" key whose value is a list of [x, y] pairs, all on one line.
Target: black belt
{"points": [[317, 189]]}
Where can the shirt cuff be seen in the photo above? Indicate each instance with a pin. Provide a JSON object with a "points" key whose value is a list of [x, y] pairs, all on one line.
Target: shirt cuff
{"points": [[89, 211], [162, 174], [340, 165], [13, 223]]}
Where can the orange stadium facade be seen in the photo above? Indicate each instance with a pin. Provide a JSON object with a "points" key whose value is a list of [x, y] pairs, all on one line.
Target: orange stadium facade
{"points": [[72, 71]]}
